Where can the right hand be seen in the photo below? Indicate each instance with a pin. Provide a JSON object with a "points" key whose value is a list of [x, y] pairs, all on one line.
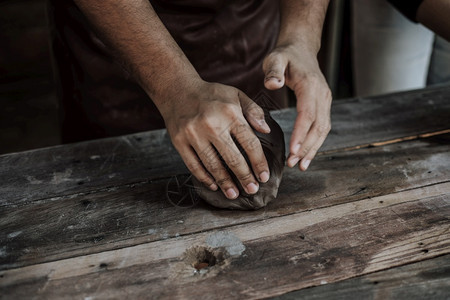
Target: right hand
{"points": [[202, 124]]}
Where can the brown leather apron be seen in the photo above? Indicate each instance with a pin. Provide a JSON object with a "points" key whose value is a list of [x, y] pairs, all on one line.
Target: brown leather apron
{"points": [[225, 40]]}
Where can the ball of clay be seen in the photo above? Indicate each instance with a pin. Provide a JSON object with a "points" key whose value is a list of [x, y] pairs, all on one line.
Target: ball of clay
{"points": [[274, 150]]}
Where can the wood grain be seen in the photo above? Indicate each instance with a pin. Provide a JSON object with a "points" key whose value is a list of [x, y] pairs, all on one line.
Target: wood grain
{"points": [[280, 255], [91, 219], [365, 121], [63, 227], [429, 279], [100, 164]]}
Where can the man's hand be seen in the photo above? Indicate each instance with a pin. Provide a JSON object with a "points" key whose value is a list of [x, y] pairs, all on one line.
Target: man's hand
{"points": [[203, 119], [299, 70], [294, 62], [205, 123]]}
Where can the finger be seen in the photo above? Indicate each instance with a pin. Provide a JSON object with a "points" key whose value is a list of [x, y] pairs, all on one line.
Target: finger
{"points": [[313, 142], [237, 164], [274, 67], [196, 168], [252, 147], [253, 113], [210, 159], [318, 132], [305, 118]]}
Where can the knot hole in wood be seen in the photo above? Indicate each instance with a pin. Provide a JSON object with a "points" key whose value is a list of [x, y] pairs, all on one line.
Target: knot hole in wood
{"points": [[202, 259]]}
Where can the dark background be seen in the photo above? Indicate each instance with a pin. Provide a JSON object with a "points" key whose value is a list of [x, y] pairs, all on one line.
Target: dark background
{"points": [[28, 115]]}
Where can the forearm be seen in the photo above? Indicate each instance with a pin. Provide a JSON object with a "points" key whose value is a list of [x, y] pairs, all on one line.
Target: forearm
{"points": [[435, 14], [140, 41], [302, 23]]}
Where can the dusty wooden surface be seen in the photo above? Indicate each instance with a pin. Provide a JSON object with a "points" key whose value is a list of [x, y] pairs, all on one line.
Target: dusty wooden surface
{"points": [[426, 279], [91, 220]]}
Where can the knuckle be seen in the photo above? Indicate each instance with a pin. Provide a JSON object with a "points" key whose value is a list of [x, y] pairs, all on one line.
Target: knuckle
{"points": [[323, 129], [214, 167], [260, 166], [195, 168], [273, 56], [214, 170], [190, 130], [313, 151], [304, 151], [245, 177], [255, 110], [209, 124], [239, 128], [273, 71], [178, 139], [233, 162], [230, 109], [252, 144], [224, 181], [205, 180], [270, 63]]}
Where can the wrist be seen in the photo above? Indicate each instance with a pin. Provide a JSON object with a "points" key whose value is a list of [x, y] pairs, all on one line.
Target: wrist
{"points": [[302, 22], [174, 93], [299, 43]]}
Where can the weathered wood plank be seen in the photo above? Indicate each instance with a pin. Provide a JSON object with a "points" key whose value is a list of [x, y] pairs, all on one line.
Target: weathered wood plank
{"points": [[363, 121], [69, 169], [260, 259], [95, 165], [429, 279], [53, 229]]}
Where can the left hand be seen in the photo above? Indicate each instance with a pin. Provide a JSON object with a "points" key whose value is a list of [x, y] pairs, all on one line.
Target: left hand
{"points": [[298, 68]]}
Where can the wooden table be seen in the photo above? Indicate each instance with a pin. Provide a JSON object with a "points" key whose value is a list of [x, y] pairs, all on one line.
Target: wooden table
{"points": [[370, 219]]}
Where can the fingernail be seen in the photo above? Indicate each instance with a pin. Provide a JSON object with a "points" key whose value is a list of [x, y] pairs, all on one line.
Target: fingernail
{"points": [[231, 193], [293, 161], [252, 188], [305, 164], [213, 187], [296, 148], [264, 176], [264, 125]]}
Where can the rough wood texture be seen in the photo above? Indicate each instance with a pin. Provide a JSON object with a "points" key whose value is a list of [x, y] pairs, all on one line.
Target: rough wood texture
{"points": [[429, 279], [91, 219], [95, 165], [260, 259], [365, 121], [81, 224]]}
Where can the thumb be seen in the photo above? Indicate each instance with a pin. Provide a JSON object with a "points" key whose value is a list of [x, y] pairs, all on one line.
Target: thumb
{"points": [[253, 113], [274, 67]]}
